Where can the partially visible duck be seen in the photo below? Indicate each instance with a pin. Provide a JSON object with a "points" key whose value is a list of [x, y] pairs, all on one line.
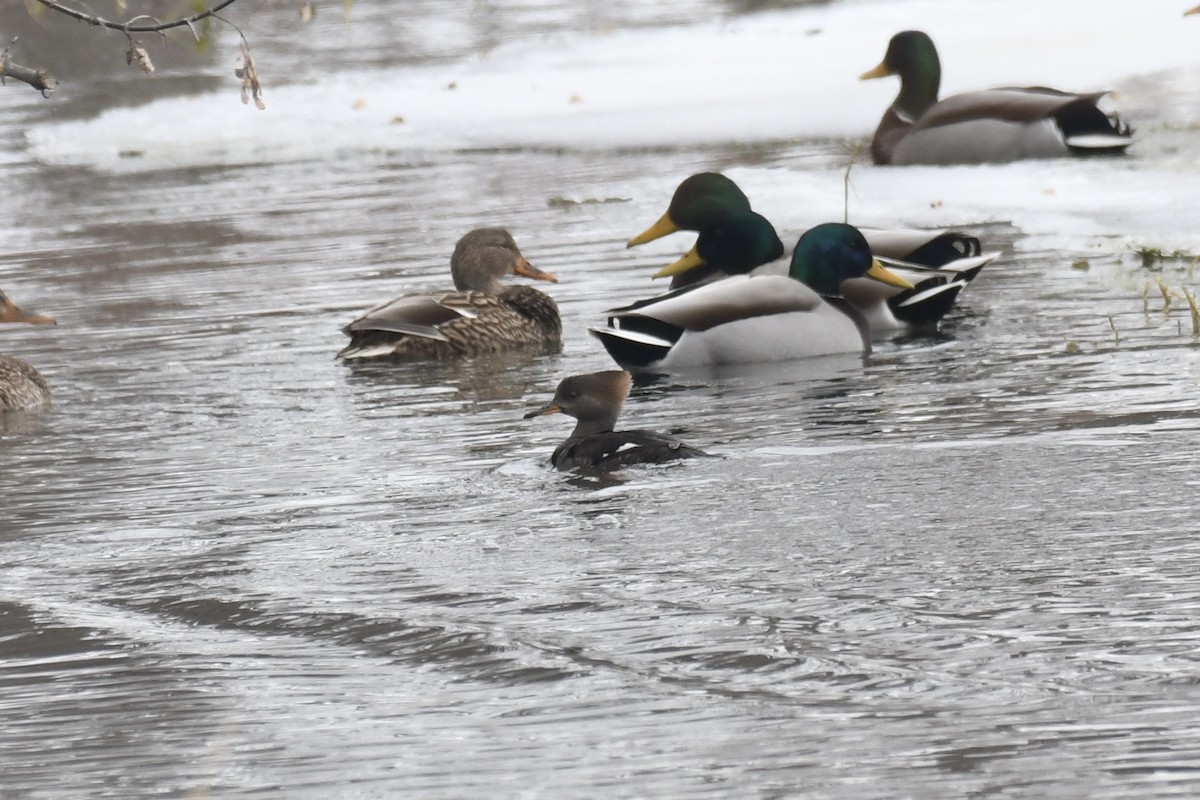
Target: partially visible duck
{"points": [[1189, 12], [748, 318], [22, 388], [938, 263], [990, 126], [595, 402], [482, 316], [696, 202]]}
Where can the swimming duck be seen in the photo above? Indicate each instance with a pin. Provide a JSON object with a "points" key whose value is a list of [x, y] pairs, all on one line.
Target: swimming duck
{"points": [[938, 264], [482, 316], [990, 126], [22, 388], [595, 402], [751, 317]]}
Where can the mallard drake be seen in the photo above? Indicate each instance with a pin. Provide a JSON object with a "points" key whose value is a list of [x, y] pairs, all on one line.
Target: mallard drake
{"points": [[482, 316], [938, 264], [22, 388], [751, 317], [595, 402], [990, 126]]}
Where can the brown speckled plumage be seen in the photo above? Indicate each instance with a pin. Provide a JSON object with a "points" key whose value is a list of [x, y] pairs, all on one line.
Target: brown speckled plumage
{"points": [[483, 316], [22, 388]]}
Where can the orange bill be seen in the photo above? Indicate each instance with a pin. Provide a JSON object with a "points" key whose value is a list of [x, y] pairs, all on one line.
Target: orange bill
{"points": [[530, 271], [11, 312]]}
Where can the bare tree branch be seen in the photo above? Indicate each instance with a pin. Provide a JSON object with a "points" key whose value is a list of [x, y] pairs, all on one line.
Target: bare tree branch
{"points": [[129, 27], [39, 79], [246, 71]]}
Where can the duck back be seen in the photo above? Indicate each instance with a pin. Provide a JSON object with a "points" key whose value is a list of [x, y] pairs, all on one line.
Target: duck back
{"points": [[617, 449], [1001, 125], [22, 388]]}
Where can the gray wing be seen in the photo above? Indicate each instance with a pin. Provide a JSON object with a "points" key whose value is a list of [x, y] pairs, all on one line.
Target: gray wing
{"points": [[422, 315], [727, 300], [1010, 104]]}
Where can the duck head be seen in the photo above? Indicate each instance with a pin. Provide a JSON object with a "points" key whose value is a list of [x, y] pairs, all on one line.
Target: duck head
{"points": [[832, 253], [913, 56], [594, 400], [735, 243], [484, 256], [696, 203]]}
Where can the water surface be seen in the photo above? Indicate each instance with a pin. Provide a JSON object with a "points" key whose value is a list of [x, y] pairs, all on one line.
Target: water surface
{"points": [[232, 565]]}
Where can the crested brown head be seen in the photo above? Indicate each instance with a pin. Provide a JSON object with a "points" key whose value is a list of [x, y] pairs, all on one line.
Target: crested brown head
{"points": [[594, 400]]}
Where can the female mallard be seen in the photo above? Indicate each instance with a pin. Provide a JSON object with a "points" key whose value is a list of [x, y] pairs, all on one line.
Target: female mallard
{"points": [[595, 402], [22, 388], [749, 318], [481, 317], [939, 264], [991, 126]]}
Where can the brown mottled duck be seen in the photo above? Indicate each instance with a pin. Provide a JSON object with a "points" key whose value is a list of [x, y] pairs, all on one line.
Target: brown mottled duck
{"points": [[482, 316], [22, 388]]}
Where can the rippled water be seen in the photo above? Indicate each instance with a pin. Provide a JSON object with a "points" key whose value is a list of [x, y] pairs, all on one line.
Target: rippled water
{"points": [[231, 565]]}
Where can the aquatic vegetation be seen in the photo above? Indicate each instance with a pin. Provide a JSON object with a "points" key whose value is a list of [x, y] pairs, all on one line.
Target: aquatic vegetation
{"points": [[1152, 256], [1191, 301]]}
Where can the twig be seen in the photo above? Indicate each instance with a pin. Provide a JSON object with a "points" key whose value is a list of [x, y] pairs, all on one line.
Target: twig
{"points": [[846, 183], [1113, 325], [245, 70], [154, 27], [39, 79]]}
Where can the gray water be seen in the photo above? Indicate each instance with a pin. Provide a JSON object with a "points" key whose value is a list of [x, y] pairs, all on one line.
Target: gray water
{"points": [[232, 566]]}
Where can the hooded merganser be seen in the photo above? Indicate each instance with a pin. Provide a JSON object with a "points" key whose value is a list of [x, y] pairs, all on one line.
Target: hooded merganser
{"points": [[595, 401]]}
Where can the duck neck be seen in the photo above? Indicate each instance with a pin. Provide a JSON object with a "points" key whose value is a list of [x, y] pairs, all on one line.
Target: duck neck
{"points": [[857, 317], [919, 85], [593, 425]]}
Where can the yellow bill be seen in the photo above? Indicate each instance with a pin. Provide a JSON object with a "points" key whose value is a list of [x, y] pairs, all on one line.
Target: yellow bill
{"points": [[691, 259], [880, 71], [664, 226], [884, 275]]}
